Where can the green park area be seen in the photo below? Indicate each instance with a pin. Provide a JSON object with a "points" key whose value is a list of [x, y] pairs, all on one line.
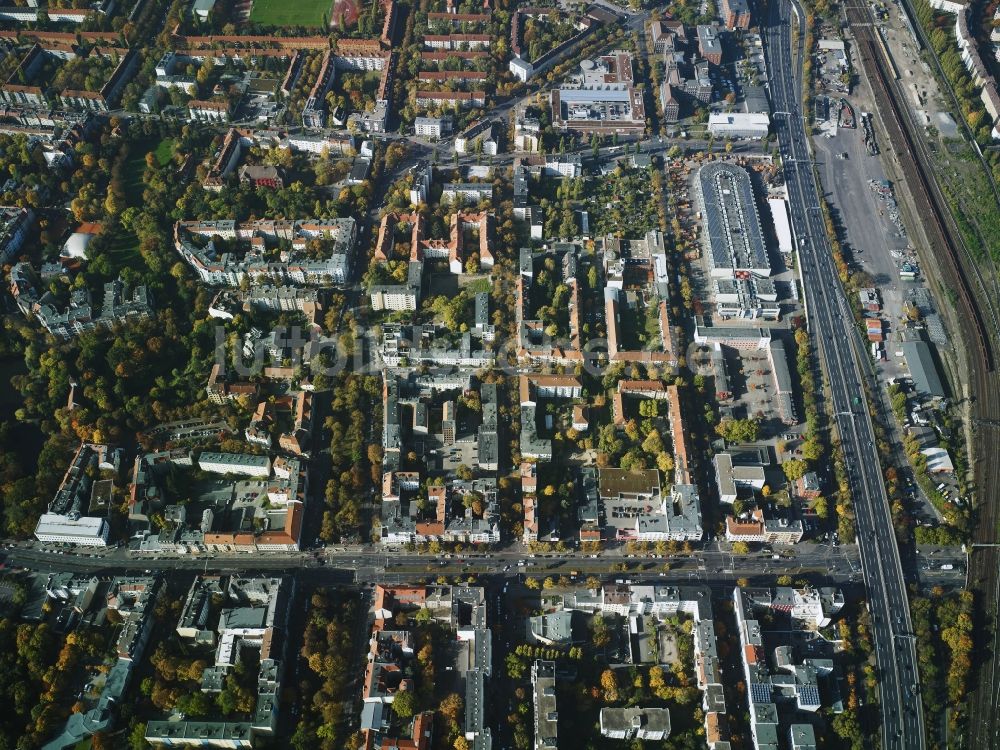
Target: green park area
{"points": [[288, 13], [135, 166]]}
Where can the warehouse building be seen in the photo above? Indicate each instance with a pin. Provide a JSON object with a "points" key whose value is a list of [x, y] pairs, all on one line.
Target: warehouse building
{"points": [[923, 369], [739, 124], [734, 234]]}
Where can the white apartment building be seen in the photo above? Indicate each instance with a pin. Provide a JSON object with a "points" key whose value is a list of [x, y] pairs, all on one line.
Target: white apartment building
{"points": [[652, 724], [15, 224], [395, 297], [432, 127], [235, 463]]}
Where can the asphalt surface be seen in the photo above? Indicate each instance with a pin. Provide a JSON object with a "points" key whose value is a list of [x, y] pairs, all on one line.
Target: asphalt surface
{"points": [[839, 563], [831, 325]]}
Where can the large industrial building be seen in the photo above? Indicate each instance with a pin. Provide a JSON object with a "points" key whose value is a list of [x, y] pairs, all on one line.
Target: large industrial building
{"points": [[736, 242]]}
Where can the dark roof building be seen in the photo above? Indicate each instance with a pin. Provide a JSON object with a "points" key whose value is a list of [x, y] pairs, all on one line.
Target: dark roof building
{"points": [[923, 369]]}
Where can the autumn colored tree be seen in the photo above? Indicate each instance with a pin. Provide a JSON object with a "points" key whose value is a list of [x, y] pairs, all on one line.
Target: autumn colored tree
{"points": [[609, 684], [452, 706]]}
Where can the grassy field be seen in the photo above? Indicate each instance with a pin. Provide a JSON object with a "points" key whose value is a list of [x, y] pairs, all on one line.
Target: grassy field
{"points": [[164, 150], [123, 249], [136, 165], [290, 13]]}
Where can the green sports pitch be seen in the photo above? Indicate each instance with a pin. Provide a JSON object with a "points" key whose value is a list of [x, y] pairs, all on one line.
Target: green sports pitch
{"points": [[290, 12]]}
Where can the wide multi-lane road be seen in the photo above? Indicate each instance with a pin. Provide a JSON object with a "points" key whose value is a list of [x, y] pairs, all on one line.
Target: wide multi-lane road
{"points": [[839, 564], [832, 326]]}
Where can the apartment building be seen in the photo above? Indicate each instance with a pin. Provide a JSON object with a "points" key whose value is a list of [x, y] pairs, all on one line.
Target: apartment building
{"points": [[543, 696], [15, 225], [639, 601], [646, 724], [735, 14], [433, 127], [229, 269], [243, 464], [209, 111], [463, 610]]}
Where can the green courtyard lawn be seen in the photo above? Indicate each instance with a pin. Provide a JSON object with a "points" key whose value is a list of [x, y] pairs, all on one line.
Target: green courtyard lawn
{"points": [[290, 12]]}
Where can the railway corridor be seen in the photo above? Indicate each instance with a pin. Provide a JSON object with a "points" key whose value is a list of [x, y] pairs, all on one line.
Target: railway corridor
{"points": [[976, 305]]}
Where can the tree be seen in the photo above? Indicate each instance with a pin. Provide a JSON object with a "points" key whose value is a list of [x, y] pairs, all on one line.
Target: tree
{"points": [[648, 408], [609, 683], [741, 548], [601, 636], [532, 583], [665, 462], [656, 678], [822, 508], [653, 444], [738, 430], [425, 654], [812, 449], [461, 743], [405, 704], [794, 468], [195, 703], [137, 737], [451, 707], [515, 667]]}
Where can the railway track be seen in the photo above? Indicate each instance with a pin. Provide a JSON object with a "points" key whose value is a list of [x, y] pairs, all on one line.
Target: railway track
{"points": [[976, 305], [911, 158]]}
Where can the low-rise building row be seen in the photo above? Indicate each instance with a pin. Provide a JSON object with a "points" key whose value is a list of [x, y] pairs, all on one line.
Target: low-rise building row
{"points": [[259, 507], [132, 598]]}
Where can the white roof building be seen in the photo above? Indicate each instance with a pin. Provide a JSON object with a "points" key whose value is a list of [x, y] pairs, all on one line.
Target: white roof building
{"points": [[739, 124], [242, 464], [202, 8], [779, 215], [938, 461], [83, 530]]}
